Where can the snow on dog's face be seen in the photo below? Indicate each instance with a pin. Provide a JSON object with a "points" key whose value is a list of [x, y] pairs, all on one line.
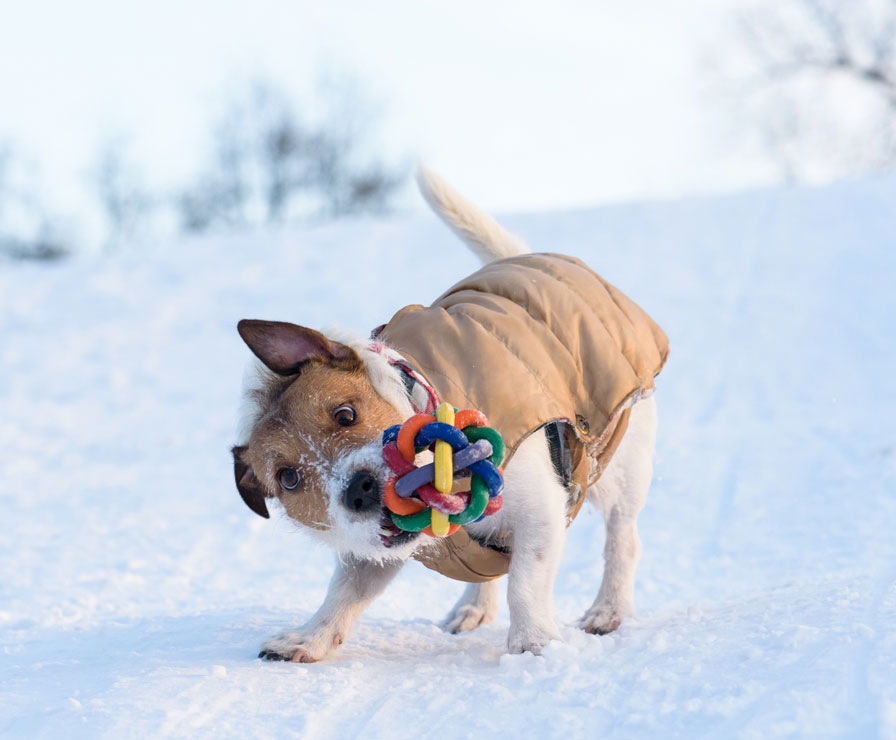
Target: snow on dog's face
{"points": [[313, 440]]}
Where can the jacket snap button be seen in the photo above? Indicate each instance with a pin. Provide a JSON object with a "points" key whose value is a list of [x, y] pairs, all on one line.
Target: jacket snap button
{"points": [[582, 424]]}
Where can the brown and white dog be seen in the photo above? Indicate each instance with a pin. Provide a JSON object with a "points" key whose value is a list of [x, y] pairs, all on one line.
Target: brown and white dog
{"points": [[314, 412]]}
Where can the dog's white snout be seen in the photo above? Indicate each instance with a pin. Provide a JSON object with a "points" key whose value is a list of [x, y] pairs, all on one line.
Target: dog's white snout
{"points": [[358, 478]]}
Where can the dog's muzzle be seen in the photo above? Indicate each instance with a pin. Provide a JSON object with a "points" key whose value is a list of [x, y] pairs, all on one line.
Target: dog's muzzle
{"points": [[363, 493]]}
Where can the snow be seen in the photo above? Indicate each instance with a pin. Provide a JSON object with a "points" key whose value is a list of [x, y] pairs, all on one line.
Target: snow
{"points": [[135, 586]]}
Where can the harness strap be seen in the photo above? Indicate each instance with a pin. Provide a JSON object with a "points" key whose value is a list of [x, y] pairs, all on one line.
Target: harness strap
{"points": [[559, 449], [421, 394], [424, 402]]}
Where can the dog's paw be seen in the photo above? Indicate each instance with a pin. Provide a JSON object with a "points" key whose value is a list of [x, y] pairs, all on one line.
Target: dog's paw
{"points": [[467, 617], [531, 639], [300, 647], [602, 619]]}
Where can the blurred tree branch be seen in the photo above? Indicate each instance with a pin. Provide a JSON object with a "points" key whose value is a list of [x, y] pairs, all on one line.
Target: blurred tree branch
{"points": [[269, 165], [26, 231], [266, 165], [125, 201], [825, 80]]}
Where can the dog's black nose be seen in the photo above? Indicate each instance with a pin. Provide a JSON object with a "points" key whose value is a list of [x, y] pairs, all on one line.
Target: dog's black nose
{"points": [[362, 492]]}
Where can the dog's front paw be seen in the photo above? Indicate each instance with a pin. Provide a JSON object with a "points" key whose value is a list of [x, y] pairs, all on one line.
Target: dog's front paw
{"points": [[530, 639], [601, 619], [301, 647]]}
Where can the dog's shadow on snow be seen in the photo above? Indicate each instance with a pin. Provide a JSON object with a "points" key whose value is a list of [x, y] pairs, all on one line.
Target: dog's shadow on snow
{"points": [[201, 641]]}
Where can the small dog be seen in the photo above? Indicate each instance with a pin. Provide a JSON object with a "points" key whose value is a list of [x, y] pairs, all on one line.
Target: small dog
{"points": [[556, 358]]}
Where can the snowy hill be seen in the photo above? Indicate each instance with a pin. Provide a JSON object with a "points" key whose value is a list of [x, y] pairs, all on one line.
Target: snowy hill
{"points": [[135, 587]]}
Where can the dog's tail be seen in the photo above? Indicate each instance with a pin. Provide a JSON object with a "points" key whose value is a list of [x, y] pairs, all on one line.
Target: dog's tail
{"points": [[486, 237]]}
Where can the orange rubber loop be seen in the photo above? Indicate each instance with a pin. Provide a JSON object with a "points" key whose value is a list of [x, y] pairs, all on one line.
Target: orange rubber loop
{"points": [[398, 505], [407, 434], [470, 418]]}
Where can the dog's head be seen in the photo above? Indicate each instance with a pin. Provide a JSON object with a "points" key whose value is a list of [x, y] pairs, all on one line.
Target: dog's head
{"points": [[312, 437]]}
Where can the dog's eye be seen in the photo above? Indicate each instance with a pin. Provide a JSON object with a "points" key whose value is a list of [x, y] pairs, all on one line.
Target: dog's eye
{"points": [[288, 478], [345, 416]]}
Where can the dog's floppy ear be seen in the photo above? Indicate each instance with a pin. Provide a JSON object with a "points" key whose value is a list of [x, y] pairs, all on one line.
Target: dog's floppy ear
{"points": [[283, 346], [247, 484]]}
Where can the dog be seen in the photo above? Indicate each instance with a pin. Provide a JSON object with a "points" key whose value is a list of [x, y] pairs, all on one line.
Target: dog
{"points": [[561, 360]]}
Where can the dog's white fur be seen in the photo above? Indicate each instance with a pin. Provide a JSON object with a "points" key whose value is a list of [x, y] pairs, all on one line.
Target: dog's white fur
{"points": [[533, 515]]}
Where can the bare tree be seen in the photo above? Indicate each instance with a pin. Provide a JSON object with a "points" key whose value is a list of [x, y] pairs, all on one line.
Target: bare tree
{"points": [[221, 195], [124, 199], [26, 231], [270, 165], [823, 83]]}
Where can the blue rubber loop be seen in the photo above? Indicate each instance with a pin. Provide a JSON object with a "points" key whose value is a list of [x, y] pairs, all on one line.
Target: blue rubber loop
{"points": [[490, 475], [439, 430]]}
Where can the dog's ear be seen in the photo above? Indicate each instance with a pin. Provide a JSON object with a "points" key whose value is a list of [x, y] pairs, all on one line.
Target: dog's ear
{"points": [[247, 484], [283, 347]]}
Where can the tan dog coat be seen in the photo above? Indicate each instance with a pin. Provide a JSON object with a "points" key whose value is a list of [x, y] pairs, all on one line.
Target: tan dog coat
{"points": [[531, 340]]}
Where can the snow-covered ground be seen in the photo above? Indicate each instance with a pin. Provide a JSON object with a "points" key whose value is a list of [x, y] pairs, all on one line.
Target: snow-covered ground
{"points": [[135, 586]]}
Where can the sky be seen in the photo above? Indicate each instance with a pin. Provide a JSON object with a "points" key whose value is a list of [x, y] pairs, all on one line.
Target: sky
{"points": [[523, 105]]}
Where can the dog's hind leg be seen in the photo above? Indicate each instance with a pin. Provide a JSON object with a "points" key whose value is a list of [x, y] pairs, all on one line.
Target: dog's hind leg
{"points": [[353, 586], [477, 605], [620, 492]]}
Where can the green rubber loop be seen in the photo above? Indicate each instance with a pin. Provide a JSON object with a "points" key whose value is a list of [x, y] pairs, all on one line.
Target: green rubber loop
{"points": [[474, 434], [413, 522], [478, 502]]}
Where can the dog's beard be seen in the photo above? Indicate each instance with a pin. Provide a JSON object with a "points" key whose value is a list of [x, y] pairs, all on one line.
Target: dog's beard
{"points": [[361, 535]]}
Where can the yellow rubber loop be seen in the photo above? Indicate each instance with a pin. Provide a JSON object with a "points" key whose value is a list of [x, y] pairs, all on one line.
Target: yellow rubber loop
{"points": [[440, 523], [444, 475]]}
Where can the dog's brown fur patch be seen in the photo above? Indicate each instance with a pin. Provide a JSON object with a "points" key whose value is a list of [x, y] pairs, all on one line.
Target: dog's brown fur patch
{"points": [[296, 429]]}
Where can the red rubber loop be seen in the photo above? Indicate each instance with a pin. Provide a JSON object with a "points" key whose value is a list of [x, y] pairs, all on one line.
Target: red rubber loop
{"points": [[446, 503], [396, 462], [494, 505]]}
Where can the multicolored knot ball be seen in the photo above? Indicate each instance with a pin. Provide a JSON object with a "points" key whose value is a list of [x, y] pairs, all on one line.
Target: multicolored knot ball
{"points": [[463, 484]]}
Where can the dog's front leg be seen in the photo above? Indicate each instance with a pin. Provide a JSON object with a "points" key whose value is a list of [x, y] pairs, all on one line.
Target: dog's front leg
{"points": [[536, 503], [530, 591], [353, 586]]}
